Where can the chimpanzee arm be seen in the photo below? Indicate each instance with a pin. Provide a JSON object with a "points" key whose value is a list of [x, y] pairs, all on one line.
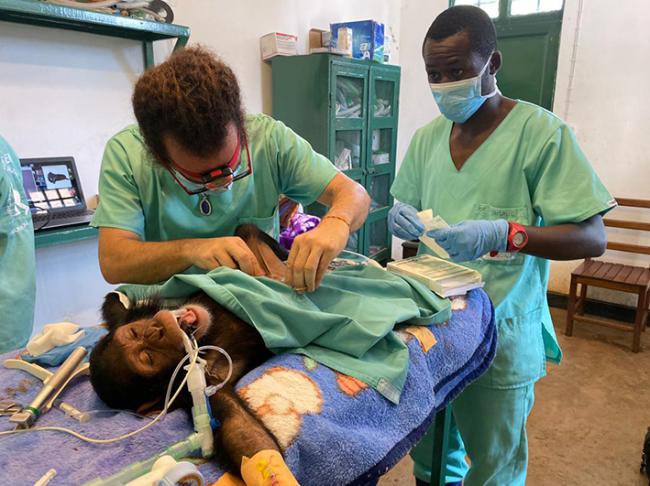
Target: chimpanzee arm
{"points": [[251, 234], [240, 433], [270, 255]]}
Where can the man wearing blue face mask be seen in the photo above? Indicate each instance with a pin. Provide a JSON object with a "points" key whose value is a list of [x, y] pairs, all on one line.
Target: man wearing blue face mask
{"points": [[517, 190]]}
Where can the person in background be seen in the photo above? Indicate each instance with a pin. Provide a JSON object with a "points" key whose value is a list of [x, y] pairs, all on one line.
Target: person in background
{"points": [[173, 189], [17, 259], [511, 180]]}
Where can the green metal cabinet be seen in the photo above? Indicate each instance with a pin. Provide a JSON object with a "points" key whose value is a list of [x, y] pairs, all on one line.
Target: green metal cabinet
{"points": [[348, 110]]}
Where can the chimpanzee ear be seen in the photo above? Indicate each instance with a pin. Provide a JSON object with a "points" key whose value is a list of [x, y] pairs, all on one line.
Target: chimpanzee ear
{"points": [[152, 406], [114, 310]]}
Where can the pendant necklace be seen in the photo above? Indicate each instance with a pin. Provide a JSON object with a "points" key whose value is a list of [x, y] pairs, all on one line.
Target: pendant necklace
{"points": [[205, 206]]}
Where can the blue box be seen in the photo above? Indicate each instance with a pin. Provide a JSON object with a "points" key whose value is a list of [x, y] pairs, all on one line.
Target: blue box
{"points": [[367, 39]]}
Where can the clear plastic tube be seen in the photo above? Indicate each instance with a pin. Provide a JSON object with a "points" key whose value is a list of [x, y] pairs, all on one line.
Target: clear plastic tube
{"points": [[167, 404], [92, 440]]}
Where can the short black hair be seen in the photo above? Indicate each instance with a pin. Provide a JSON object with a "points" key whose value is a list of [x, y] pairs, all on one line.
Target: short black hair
{"points": [[473, 20]]}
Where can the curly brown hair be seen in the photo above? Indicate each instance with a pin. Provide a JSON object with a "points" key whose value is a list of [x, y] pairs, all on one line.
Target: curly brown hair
{"points": [[191, 97]]}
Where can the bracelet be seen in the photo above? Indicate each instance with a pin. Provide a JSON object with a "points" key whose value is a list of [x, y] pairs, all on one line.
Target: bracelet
{"points": [[331, 216]]}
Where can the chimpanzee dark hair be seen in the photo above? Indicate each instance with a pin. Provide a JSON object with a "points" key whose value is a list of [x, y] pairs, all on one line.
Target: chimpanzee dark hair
{"points": [[108, 369], [470, 19]]}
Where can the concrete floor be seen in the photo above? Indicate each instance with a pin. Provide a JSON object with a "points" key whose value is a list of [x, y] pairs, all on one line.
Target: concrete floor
{"points": [[590, 415]]}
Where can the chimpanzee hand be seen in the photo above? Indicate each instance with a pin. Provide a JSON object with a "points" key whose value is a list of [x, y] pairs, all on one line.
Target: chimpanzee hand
{"points": [[229, 251], [313, 251]]}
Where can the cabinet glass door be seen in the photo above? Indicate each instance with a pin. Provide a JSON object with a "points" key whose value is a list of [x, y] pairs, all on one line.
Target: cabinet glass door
{"points": [[382, 147], [379, 190], [382, 124], [384, 89], [348, 150], [349, 91], [355, 242], [377, 236], [348, 117], [384, 98], [349, 97]]}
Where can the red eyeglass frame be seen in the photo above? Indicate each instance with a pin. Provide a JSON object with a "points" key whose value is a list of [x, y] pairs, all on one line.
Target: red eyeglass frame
{"points": [[209, 178]]}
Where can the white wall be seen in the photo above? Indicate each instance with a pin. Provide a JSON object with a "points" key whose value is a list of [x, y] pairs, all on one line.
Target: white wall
{"points": [[233, 30], [604, 96], [417, 106], [66, 93]]}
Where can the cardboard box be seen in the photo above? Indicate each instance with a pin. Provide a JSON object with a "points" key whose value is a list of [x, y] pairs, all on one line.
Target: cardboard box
{"points": [[316, 40], [367, 39], [278, 44]]}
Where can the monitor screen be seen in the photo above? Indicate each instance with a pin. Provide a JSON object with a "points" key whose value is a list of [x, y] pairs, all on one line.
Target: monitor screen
{"points": [[50, 186]]}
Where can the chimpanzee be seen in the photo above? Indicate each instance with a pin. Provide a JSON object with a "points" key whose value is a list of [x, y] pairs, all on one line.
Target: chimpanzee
{"points": [[131, 366]]}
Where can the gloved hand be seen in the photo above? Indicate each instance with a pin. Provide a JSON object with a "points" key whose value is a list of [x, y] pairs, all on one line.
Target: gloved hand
{"points": [[404, 223], [469, 240]]}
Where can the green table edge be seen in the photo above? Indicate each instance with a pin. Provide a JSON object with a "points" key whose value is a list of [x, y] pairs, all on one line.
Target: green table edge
{"points": [[59, 236]]}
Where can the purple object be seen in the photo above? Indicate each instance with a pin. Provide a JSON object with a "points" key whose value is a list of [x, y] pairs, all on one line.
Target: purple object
{"points": [[300, 223]]}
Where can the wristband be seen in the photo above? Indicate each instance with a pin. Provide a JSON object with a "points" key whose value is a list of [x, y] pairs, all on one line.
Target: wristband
{"points": [[331, 216]]}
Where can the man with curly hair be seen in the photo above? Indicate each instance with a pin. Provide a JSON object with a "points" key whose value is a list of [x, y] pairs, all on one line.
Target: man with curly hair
{"points": [[174, 188]]}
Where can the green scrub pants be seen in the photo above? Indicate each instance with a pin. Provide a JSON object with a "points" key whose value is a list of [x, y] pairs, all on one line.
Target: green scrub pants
{"points": [[492, 423]]}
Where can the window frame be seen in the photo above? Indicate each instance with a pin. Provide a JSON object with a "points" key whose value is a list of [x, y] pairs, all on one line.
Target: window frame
{"points": [[506, 17]]}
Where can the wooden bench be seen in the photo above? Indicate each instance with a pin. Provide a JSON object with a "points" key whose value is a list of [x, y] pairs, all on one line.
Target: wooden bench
{"points": [[614, 276]]}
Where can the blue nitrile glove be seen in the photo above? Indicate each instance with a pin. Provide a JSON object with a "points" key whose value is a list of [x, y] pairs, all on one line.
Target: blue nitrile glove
{"points": [[404, 223], [469, 240]]}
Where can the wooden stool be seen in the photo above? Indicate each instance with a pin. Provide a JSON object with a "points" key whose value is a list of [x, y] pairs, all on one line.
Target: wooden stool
{"points": [[626, 278]]}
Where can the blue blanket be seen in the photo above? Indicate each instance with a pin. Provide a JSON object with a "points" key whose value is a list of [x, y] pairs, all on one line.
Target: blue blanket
{"points": [[307, 406]]}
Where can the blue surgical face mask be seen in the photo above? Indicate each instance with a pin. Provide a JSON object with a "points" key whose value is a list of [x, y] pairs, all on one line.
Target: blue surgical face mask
{"points": [[459, 100]]}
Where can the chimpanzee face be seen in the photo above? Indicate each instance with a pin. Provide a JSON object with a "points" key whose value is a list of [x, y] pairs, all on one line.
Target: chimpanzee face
{"points": [[143, 346], [151, 345]]}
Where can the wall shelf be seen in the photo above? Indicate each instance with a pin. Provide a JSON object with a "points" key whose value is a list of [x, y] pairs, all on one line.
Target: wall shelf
{"points": [[59, 236], [39, 13], [42, 14]]}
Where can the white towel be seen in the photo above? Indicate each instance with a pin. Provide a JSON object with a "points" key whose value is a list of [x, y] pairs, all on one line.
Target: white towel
{"points": [[52, 335]]}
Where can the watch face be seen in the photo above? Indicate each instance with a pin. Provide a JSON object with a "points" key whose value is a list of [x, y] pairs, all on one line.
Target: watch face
{"points": [[518, 239]]}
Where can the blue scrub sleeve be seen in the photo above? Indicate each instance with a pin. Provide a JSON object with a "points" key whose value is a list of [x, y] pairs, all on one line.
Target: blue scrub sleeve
{"points": [[565, 188], [407, 186], [119, 201], [303, 173]]}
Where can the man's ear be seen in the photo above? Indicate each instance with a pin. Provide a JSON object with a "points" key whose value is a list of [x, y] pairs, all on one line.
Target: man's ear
{"points": [[496, 61], [114, 310]]}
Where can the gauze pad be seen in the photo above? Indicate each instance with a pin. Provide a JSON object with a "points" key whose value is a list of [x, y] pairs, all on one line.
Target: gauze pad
{"points": [[430, 223]]}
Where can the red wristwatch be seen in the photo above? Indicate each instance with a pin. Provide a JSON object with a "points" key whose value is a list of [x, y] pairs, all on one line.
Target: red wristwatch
{"points": [[517, 238]]}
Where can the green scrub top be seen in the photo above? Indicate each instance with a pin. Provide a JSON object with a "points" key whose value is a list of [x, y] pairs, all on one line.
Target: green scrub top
{"points": [[138, 195], [346, 324], [529, 170], [17, 260]]}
